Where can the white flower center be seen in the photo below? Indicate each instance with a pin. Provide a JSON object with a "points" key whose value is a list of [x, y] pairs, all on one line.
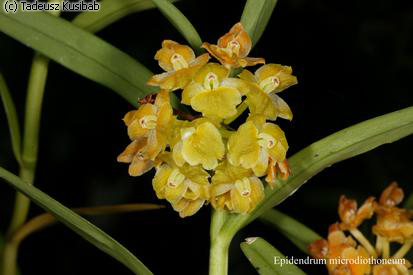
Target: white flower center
{"points": [[175, 178], [211, 81], [234, 46], [178, 62], [148, 122], [266, 140], [270, 84], [243, 186]]}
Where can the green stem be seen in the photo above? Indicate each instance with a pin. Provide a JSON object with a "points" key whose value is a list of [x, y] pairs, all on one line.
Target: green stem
{"points": [[220, 241], [240, 109], [34, 101], [218, 257]]}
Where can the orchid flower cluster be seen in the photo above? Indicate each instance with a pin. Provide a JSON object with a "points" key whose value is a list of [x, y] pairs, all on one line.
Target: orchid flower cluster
{"points": [[393, 225], [201, 159]]}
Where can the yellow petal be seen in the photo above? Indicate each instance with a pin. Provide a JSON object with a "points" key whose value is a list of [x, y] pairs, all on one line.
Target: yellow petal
{"points": [[243, 148], [283, 110], [204, 146], [241, 204], [257, 192], [228, 174], [261, 103], [248, 76], [220, 71], [191, 208], [236, 83], [161, 179], [220, 102], [190, 91], [129, 117], [261, 166], [180, 205], [283, 73]]}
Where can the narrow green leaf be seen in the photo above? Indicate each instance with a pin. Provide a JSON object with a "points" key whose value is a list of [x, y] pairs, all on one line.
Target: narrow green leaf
{"points": [[111, 11], [180, 22], [12, 120], [408, 204], [347, 143], [255, 17], [296, 232], [79, 51], [78, 224], [267, 259]]}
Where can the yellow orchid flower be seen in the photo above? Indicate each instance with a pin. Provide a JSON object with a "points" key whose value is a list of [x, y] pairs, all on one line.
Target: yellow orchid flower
{"points": [[267, 81], [233, 48], [199, 143], [213, 93], [235, 189], [180, 65], [186, 187], [255, 147], [149, 128]]}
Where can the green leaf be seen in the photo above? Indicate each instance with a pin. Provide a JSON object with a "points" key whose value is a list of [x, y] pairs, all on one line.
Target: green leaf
{"points": [[78, 224], [267, 259], [111, 11], [347, 143], [408, 204], [180, 22], [296, 232], [255, 17], [11, 118], [79, 51]]}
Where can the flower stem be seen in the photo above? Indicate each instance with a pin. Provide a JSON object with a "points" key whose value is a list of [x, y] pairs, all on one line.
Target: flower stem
{"points": [[240, 109], [403, 250], [364, 242], [218, 257]]}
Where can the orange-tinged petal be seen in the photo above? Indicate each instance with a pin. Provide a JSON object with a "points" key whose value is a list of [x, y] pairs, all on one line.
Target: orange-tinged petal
{"points": [[237, 35], [392, 195], [140, 166], [169, 48], [250, 61], [278, 149]]}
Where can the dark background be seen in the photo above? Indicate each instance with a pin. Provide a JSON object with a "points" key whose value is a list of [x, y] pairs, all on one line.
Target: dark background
{"points": [[353, 60]]}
